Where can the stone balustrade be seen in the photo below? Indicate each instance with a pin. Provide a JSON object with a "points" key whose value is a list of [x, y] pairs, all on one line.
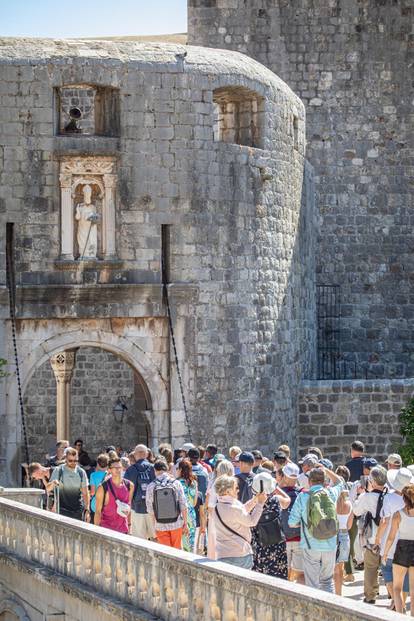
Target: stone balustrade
{"points": [[26, 495], [169, 584]]}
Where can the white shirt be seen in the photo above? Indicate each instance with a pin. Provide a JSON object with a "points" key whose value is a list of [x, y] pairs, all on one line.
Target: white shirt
{"points": [[367, 501], [303, 481], [392, 504]]}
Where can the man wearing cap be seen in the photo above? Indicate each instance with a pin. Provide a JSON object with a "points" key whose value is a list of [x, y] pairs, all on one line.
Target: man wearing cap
{"points": [[288, 483], [245, 476], [307, 463], [397, 480], [356, 464], [394, 461], [280, 459], [369, 504]]}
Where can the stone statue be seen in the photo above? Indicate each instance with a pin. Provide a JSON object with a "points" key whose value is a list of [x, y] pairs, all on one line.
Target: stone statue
{"points": [[87, 218]]}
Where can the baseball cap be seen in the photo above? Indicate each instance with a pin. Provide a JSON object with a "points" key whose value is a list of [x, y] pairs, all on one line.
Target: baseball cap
{"points": [[246, 457], [326, 462], [394, 459], [291, 470], [279, 455], [398, 479], [369, 462], [257, 454], [309, 460]]}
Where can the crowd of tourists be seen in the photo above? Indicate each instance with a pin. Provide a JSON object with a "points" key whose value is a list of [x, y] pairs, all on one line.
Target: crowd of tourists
{"points": [[309, 522]]}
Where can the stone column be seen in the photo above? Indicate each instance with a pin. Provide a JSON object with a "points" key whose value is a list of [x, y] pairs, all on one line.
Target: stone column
{"points": [[63, 364], [66, 220], [108, 228]]}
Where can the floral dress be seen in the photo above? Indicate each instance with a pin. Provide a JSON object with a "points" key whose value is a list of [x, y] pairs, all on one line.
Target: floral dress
{"points": [[270, 560], [190, 492]]}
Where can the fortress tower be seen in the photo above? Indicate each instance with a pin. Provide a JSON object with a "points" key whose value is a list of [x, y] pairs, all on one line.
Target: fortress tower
{"points": [[350, 62]]}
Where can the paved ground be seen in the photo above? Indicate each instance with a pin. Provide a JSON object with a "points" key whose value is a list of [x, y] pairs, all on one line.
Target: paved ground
{"points": [[355, 590]]}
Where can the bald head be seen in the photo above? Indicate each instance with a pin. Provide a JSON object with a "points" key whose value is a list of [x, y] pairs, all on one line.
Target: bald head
{"points": [[140, 451]]}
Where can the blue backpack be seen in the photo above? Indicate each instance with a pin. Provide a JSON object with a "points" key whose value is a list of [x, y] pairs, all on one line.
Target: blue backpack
{"points": [[202, 479], [288, 531]]}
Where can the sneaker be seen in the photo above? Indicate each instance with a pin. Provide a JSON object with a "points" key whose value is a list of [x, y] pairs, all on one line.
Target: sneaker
{"points": [[369, 601], [359, 566], [349, 578]]}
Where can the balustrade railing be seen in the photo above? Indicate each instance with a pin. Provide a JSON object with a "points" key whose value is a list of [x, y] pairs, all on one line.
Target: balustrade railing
{"points": [[170, 584]]}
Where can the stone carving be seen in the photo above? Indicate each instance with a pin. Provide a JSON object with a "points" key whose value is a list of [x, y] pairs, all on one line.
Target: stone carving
{"points": [[96, 179], [87, 218]]}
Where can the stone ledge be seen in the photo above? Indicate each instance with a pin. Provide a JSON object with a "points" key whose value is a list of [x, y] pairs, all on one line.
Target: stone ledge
{"points": [[95, 264], [85, 145], [351, 385]]}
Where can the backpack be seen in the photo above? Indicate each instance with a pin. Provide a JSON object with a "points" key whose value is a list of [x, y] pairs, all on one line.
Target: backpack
{"points": [[144, 478], [245, 487], [269, 529], [322, 522], [202, 479], [368, 528], [288, 531], [165, 503]]}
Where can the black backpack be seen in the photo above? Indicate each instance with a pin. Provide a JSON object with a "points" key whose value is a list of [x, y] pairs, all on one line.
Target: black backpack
{"points": [[166, 505], [288, 531], [269, 529]]}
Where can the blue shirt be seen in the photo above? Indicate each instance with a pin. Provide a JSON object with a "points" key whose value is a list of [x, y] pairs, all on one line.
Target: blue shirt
{"points": [[141, 475], [96, 479], [299, 515]]}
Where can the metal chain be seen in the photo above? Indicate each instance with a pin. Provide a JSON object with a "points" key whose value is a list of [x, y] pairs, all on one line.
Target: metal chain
{"points": [[11, 287], [167, 302]]}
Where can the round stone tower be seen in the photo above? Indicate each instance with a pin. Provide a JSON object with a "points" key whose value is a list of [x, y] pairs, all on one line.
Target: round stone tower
{"points": [[185, 154]]}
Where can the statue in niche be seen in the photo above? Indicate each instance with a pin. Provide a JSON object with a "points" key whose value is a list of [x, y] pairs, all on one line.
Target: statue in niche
{"points": [[87, 233]]}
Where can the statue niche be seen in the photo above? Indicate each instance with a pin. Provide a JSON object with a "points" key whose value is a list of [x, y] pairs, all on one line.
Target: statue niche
{"points": [[87, 219]]}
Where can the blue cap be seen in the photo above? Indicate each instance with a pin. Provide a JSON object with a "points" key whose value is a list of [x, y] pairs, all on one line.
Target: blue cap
{"points": [[247, 457], [327, 463], [369, 462]]}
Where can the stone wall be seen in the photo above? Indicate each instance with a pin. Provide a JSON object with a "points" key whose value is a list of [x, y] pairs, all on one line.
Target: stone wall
{"points": [[144, 580], [240, 295], [349, 62], [332, 414], [98, 379]]}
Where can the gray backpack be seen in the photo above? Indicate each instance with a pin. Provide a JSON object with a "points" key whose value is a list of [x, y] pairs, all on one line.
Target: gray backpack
{"points": [[166, 505]]}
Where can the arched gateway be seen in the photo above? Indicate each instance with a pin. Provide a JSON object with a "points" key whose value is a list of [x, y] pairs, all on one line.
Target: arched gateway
{"points": [[148, 389]]}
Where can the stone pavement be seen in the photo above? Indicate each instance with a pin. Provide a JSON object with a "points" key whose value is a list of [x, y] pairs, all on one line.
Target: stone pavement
{"points": [[355, 590]]}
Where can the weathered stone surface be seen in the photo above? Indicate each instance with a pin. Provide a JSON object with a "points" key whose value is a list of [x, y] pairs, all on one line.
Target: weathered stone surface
{"points": [[241, 230], [366, 410], [350, 62]]}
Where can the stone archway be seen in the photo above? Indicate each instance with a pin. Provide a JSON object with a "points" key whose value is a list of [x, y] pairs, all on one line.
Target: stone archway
{"points": [[150, 370], [97, 382]]}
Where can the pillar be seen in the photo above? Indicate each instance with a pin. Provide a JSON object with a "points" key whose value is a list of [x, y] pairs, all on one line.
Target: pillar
{"points": [[63, 364], [66, 225], [108, 231]]}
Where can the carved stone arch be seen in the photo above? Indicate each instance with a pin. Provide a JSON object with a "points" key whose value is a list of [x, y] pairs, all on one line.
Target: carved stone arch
{"points": [[90, 181], [9, 604]]}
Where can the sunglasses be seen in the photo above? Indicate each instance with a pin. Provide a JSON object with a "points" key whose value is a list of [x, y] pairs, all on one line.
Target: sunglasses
{"points": [[72, 461]]}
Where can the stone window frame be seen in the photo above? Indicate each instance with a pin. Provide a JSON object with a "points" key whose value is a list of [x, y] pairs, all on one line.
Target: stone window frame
{"points": [[98, 170], [106, 103], [239, 116]]}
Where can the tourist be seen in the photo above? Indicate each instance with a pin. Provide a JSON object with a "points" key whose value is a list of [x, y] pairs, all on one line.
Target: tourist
{"points": [[233, 521], [141, 474], [71, 488], [59, 457], [210, 454], [188, 481], [284, 448], [234, 452], [287, 478], [205, 465], [186, 447], [131, 458], [84, 460], [269, 466], [258, 460], [201, 525], [225, 467], [199, 470], [125, 463], [345, 519], [319, 555], [402, 525], [169, 517], [315, 450], [308, 463], [113, 500], [269, 551], [150, 456], [165, 451], [356, 464], [39, 476], [97, 478], [397, 480], [369, 504], [245, 476], [394, 461], [280, 459]]}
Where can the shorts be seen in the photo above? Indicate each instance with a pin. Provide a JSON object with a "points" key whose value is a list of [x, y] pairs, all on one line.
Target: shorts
{"points": [[142, 525], [404, 553], [294, 556], [387, 575], [343, 547], [246, 562]]}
